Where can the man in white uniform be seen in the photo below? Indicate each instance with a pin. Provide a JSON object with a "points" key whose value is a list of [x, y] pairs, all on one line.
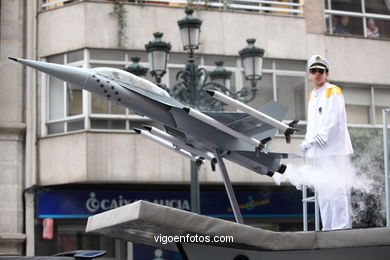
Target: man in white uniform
{"points": [[328, 145]]}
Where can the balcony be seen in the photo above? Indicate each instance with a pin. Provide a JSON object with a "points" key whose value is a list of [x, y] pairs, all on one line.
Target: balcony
{"points": [[93, 24]]}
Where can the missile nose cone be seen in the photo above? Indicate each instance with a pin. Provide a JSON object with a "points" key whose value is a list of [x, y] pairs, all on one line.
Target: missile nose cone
{"points": [[74, 75], [137, 130], [210, 92], [14, 59]]}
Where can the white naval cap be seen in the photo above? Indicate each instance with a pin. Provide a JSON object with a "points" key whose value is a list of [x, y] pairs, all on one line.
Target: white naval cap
{"points": [[317, 61]]}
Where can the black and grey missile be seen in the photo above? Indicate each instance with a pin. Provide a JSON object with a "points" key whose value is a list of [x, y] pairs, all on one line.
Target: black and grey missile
{"points": [[197, 159], [288, 130], [176, 141]]}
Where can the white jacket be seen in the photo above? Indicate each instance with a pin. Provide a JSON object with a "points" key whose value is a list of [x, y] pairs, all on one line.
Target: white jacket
{"points": [[327, 123]]}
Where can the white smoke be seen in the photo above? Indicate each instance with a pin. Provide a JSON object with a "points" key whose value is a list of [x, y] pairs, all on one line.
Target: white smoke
{"points": [[332, 173], [369, 204]]}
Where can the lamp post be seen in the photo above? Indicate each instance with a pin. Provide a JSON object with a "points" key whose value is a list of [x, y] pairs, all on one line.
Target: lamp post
{"points": [[252, 60], [192, 80], [136, 68], [158, 51]]}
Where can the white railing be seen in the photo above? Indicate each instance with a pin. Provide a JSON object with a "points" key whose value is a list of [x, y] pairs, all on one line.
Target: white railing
{"points": [[386, 162], [357, 14], [263, 6]]}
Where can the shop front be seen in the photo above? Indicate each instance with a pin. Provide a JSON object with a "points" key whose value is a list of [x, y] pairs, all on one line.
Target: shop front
{"points": [[62, 212]]}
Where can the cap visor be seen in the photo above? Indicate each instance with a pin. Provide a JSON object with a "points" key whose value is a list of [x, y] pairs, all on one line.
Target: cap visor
{"points": [[317, 67]]}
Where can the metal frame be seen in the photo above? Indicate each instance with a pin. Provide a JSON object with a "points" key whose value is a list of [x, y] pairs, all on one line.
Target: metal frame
{"points": [[229, 188], [363, 14], [386, 163], [305, 200]]}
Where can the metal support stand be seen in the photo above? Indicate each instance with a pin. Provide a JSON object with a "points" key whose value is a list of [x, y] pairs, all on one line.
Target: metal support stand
{"points": [[305, 200], [316, 212], [229, 188], [304, 207], [386, 163], [195, 198]]}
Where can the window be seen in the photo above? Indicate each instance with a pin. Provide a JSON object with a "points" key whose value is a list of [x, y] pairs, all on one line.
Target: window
{"points": [[64, 102], [69, 108], [291, 93], [285, 82], [358, 104], [368, 18], [364, 104], [382, 101]]}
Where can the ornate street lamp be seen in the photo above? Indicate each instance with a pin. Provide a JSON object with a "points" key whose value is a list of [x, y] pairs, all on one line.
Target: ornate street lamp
{"points": [[252, 60], [220, 75], [190, 30], [136, 68], [158, 51], [220, 79]]}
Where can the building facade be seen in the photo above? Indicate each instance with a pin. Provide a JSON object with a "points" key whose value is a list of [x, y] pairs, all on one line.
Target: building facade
{"points": [[62, 145]]}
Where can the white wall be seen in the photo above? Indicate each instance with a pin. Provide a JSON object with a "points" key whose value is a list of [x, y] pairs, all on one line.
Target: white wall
{"points": [[128, 158], [92, 24]]}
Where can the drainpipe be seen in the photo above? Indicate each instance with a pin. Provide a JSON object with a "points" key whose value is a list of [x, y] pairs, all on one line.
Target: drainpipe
{"points": [[31, 126]]}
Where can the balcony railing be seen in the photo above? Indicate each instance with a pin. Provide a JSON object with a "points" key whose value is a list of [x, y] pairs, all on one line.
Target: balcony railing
{"points": [[286, 7]]}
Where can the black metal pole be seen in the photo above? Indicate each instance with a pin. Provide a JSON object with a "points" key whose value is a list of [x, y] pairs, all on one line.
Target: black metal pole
{"points": [[192, 83], [195, 193]]}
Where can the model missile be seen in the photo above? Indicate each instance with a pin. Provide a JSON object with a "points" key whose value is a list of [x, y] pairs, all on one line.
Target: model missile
{"points": [[181, 144], [211, 121], [168, 145], [288, 130], [178, 142]]}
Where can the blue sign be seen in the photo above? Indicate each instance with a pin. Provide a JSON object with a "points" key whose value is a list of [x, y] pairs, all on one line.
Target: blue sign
{"points": [[82, 204]]}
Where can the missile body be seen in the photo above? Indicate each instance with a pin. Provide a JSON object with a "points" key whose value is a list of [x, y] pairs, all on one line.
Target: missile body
{"points": [[287, 129], [168, 145], [180, 143]]}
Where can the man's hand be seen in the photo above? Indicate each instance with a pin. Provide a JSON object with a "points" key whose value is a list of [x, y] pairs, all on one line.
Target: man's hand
{"points": [[305, 145]]}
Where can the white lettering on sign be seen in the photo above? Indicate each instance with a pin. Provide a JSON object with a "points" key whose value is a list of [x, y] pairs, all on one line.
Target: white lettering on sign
{"points": [[94, 204]]}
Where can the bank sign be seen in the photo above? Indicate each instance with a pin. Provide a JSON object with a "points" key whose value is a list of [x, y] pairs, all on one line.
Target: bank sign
{"points": [[82, 204]]}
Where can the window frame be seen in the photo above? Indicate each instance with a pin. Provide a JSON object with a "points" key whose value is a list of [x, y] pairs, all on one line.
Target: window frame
{"points": [[329, 12]]}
